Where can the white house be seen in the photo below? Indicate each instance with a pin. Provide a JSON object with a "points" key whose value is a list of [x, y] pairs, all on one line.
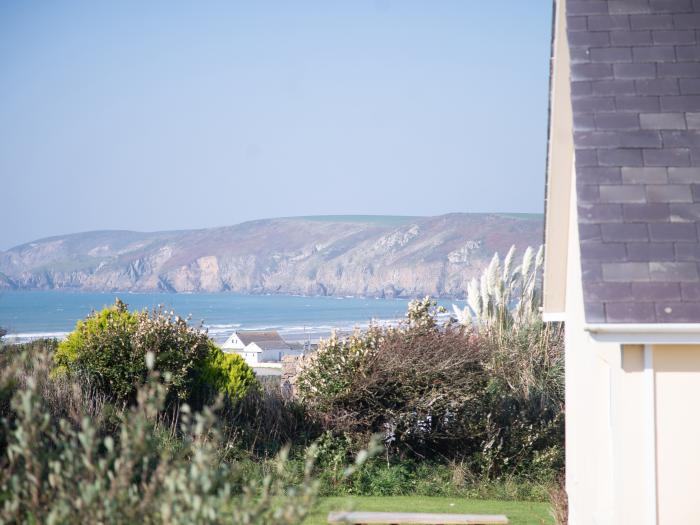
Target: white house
{"points": [[259, 346]]}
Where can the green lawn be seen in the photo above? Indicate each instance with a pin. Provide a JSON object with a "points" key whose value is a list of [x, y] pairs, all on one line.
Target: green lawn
{"points": [[518, 512]]}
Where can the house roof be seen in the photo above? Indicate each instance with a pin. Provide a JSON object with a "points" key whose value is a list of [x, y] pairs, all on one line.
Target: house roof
{"points": [[269, 339], [272, 345], [635, 89]]}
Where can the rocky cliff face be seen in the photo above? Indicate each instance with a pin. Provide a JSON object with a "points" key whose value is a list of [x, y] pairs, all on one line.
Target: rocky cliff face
{"points": [[369, 256]]}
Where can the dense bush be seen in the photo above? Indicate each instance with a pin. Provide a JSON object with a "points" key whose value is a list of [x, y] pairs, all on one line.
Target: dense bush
{"points": [[227, 373], [417, 387], [491, 399], [67, 471], [108, 351]]}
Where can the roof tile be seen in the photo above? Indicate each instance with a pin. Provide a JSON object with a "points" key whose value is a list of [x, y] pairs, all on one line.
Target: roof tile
{"points": [[657, 21], [667, 157], [682, 212], [687, 53], [620, 157], [621, 232], [669, 193], [628, 312], [676, 37], [687, 21], [677, 312], [673, 271], [633, 175], [684, 174], [626, 272], [647, 212], [630, 38], [656, 291], [693, 120], [576, 23], [616, 121], [627, 7], [671, 6], [653, 54], [608, 22], [690, 291], [650, 251], [662, 121], [673, 231], [621, 193], [586, 7], [634, 70]]}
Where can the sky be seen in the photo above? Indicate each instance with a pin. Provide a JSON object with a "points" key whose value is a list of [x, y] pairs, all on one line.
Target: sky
{"points": [[175, 115]]}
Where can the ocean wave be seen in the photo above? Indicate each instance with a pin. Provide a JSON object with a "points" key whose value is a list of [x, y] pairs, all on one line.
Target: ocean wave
{"points": [[221, 331], [33, 336]]}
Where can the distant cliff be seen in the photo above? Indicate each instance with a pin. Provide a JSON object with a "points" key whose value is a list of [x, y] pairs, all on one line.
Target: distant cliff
{"points": [[373, 256]]}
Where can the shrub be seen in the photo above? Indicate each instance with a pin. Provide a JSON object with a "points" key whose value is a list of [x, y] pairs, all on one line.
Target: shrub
{"points": [[416, 385], [108, 350], [490, 398], [67, 472], [227, 373]]}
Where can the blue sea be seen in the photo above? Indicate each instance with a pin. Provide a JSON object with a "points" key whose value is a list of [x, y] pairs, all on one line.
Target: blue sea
{"points": [[30, 315]]}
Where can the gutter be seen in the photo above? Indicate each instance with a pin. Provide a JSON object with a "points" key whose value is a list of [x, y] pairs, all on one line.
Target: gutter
{"points": [[645, 333]]}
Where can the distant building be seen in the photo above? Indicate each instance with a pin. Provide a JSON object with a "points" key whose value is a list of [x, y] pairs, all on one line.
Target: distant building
{"points": [[259, 346]]}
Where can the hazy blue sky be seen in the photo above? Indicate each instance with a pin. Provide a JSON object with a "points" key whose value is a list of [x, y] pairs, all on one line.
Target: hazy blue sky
{"points": [[169, 115]]}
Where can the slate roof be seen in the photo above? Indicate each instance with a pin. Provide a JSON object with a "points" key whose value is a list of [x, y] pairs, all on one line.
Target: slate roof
{"points": [[635, 85], [272, 345], [266, 340]]}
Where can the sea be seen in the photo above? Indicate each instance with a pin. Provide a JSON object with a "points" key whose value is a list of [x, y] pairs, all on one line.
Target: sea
{"points": [[28, 315]]}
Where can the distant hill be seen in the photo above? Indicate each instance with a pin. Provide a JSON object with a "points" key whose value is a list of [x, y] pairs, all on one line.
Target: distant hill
{"points": [[377, 256]]}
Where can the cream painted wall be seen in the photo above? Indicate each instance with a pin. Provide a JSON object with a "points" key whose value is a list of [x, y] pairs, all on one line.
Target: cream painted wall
{"points": [[589, 467], [605, 444], [630, 447], [677, 376]]}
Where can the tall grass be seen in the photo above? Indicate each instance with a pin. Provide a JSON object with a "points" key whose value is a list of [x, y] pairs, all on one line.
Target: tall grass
{"points": [[505, 296]]}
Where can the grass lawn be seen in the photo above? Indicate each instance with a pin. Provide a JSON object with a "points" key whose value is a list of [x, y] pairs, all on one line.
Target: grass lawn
{"points": [[518, 512]]}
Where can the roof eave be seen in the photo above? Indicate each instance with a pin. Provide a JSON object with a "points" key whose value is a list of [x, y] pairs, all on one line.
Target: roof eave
{"points": [[645, 333]]}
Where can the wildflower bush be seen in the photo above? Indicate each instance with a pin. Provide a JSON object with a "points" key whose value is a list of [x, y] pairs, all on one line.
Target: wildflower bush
{"points": [[108, 351]]}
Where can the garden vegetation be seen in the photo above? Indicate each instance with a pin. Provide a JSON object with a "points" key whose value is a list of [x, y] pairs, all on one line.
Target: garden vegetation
{"points": [[139, 417]]}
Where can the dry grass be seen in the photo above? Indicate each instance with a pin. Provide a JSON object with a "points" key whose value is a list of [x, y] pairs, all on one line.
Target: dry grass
{"points": [[560, 502]]}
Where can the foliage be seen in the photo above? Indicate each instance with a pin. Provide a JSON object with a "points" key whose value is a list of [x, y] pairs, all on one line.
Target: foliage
{"points": [[505, 296], [3, 332], [227, 373], [108, 351], [63, 471], [416, 384], [335, 366], [489, 398]]}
